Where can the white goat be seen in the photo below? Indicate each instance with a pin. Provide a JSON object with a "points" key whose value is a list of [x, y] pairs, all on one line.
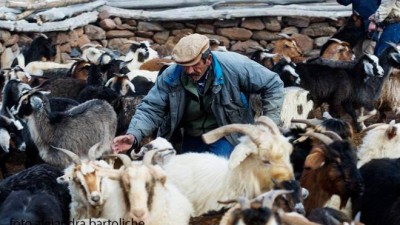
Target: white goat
{"points": [[380, 141], [152, 199], [205, 178], [296, 105], [92, 196]]}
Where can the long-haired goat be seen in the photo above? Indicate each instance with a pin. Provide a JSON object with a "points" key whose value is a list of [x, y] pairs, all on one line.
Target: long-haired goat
{"points": [[381, 141], [76, 129], [262, 154]]}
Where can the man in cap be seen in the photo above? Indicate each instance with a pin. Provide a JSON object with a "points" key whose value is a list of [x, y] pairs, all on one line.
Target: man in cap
{"points": [[203, 91]]}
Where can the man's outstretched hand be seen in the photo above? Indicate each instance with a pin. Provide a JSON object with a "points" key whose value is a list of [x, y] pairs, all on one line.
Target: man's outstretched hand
{"points": [[122, 143]]}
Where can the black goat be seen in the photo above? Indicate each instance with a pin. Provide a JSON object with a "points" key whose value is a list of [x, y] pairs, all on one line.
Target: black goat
{"points": [[339, 84], [31, 208], [41, 47], [35, 180], [380, 202]]}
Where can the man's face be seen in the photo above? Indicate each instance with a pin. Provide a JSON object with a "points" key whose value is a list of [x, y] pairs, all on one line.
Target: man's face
{"points": [[196, 71]]}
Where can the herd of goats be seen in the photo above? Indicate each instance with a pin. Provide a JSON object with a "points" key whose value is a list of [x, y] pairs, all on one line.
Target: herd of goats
{"points": [[303, 172]]}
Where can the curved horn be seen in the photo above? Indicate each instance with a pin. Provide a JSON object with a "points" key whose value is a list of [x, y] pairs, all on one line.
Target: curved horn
{"points": [[8, 120], [266, 121], [357, 218], [269, 197], [333, 135], [90, 45], [9, 113], [109, 81], [75, 158], [322, 137], [309, 123], [214, 135], [126, 161], [336, 40], [92, 151], [392, 44], [373, 126], [43, 35], [284, 35]]}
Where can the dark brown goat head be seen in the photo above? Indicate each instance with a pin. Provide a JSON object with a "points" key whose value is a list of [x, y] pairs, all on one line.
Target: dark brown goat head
{"points": [[329, 169]]}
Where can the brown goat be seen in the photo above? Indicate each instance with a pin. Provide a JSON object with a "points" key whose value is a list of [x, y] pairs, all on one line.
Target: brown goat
{"points": [[336, 49], [330, 169]]}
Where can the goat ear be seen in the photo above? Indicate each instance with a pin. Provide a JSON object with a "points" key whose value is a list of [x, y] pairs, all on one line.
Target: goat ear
{"points": [[241, 152], [159, 174], [391, 131], [315, 159], [163, 157], [63, 179]]}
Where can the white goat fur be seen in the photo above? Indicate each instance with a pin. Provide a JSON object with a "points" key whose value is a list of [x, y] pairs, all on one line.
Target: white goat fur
{"points": [[111, 205], [150, 75], [380, 142], [295, 97], [206, 178], [168, 207], [38, 67]]}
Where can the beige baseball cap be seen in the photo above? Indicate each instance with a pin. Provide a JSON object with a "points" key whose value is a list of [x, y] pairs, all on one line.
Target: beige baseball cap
{"points": [[187, 52]]}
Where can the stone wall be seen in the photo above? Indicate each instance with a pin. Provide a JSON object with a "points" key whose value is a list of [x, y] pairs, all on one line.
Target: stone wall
{"points": [[240, 35]]}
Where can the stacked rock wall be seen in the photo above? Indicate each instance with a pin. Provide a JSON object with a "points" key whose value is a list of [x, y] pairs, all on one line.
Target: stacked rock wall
{"points": [[240, 35]]}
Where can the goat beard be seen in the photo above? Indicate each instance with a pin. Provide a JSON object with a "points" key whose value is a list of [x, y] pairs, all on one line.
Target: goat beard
{"points": [[343, 201]]}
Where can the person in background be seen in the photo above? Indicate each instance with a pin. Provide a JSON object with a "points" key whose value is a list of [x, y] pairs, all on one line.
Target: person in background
{"points": [[362, 9], [387, 20], [202, 91]]}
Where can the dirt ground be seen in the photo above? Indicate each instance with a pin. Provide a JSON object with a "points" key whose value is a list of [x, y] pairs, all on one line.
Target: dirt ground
{"points": [[16, 160]]}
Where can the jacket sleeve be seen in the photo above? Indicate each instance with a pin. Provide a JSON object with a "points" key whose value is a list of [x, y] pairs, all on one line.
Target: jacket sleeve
{"points": [[150, 112], [257, 79], [384, 10]]}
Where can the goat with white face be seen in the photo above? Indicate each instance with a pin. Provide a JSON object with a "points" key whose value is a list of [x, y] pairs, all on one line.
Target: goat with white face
{"points": [[93, 196], [151, 198], [76, 129]]}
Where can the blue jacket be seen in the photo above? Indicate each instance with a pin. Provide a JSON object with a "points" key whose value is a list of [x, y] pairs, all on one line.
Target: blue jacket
{"points": [[236, 77], [363, 7]]}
